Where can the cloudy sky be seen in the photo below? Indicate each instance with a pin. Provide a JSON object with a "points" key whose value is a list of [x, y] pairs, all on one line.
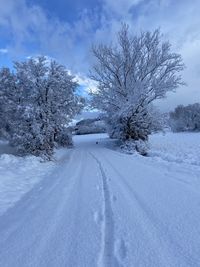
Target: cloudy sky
{"points": [[65, 30]]}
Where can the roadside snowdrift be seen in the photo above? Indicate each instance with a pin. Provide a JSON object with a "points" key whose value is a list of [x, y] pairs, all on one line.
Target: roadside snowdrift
{"points": [[176, 147], [18, 175]]}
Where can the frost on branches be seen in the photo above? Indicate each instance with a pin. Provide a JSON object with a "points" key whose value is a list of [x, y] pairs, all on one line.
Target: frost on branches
{"points": [[7, 101], [41, 101], [131, 75], [185, 118]]}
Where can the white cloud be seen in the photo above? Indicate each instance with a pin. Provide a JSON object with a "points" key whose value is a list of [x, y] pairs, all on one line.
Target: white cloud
{"points": [[70, 43], [3, 51], [120, 7], [29, 26], [91, 86]]}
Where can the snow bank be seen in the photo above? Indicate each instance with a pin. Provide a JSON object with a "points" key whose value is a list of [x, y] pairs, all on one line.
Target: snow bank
{"points": [[176, 147], [17, 176]]}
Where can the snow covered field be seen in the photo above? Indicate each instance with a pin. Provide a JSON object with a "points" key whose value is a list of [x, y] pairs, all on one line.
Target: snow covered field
{"points": [[95, 206], [176, 147]]}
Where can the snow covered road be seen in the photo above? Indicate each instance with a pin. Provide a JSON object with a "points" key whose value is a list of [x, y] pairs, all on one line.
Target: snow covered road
{"points": [[99, 207]]}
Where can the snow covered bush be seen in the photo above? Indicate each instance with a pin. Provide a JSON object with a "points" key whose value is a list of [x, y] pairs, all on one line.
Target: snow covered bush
{"points": [[64, 138], [43, 101], [185, 118], [140, 146], [7, 101], [131, 75], [138, 126]]}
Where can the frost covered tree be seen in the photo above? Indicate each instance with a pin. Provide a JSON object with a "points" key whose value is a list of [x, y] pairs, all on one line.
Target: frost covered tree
{"points": [[185, 118], [45, 102], [7, 101], [132, 74]]}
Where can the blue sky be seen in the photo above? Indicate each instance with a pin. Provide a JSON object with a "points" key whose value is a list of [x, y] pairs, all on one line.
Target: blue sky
{"points": [[66, 10], [65, 30]]}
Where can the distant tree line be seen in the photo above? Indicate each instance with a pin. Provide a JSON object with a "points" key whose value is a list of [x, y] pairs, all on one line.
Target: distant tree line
{"points": [[90, 126], [185, 118], [37, 101]]}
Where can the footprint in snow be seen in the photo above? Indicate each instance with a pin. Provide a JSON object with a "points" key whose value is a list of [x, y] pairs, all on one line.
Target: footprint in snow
{"points": [[114, 198], [98, 217], [120, 249], [98, 187]]}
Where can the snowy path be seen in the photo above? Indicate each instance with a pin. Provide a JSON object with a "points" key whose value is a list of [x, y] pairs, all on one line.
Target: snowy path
{"points": [[103, 208]]}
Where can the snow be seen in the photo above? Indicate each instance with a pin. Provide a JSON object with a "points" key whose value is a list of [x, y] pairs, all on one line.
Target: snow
{"points": [[176, 147], [18, 175], [98, 207]]}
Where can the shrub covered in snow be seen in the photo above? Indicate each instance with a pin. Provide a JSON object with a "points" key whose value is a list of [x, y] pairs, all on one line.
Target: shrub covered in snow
{"points": [[64, 138], [136, 127], [7, 101], [140, 146]]}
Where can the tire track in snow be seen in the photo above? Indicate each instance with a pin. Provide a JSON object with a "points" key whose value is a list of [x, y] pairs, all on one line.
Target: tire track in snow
{"points": [[170, 247], [107, 256]]}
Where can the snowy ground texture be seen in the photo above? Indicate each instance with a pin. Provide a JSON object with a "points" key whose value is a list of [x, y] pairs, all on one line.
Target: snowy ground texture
{"points": [[18, 175], [176, 147], [95, 206]]}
